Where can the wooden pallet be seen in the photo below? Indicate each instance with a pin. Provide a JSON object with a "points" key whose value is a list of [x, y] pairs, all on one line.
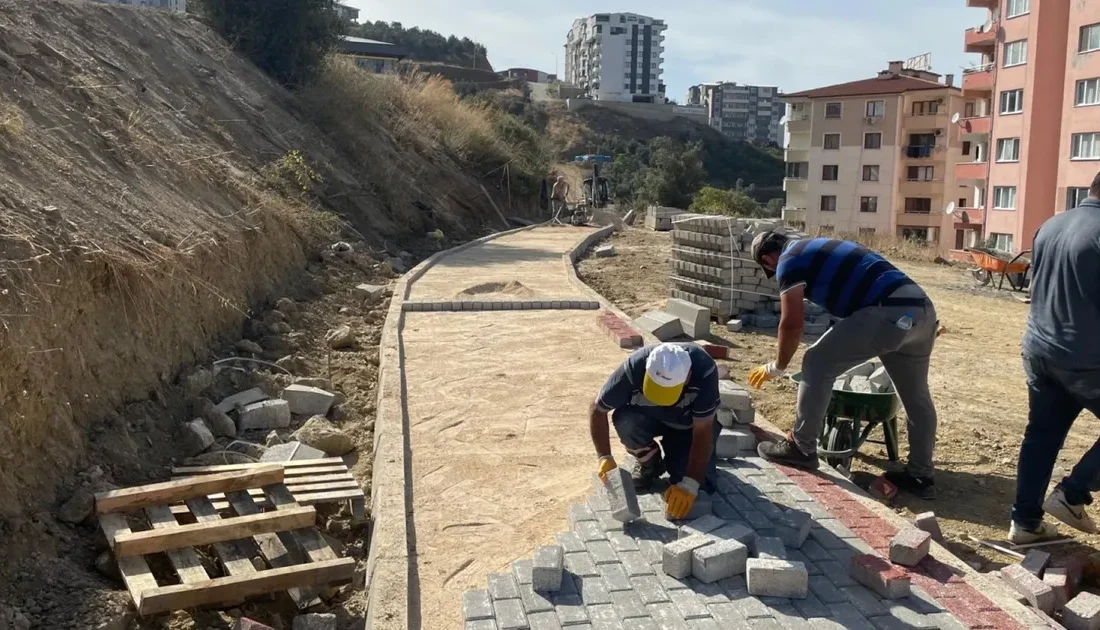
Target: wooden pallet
{"points": [[310, 481], [300, 560]]}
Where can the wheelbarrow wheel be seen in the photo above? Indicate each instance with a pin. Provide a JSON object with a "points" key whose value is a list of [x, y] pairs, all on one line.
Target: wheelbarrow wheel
{"points": [[838, 438], [982, 276]]}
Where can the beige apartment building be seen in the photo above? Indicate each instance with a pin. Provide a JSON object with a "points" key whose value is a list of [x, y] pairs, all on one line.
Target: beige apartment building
{"points": [[876, 156], [1032, 114]]}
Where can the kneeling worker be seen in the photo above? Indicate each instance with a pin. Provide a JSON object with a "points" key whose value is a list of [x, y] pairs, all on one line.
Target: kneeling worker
{"points": [[884, 314], [668, 391]]}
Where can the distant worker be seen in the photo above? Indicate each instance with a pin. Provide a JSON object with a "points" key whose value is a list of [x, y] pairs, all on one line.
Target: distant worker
{"points": [[667, 391], [1061, 353], [559, 195], [884, 314]]}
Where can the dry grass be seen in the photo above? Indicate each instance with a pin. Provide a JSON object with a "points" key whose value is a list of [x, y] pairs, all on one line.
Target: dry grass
{"points": [[892, 247], [11, 120]]}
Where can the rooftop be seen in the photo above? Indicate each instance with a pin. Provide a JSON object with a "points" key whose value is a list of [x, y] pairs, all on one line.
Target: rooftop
{"points": [[360, 46], [887, 82]]}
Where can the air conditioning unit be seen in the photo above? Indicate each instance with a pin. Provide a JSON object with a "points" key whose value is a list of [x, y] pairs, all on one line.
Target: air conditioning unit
{"points": [[939, 132], [870, 120], [939, 100]]}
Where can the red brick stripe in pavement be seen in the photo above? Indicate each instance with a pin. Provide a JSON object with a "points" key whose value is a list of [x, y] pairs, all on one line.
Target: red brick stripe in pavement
{"points": [[621, 332], [937, 579]]}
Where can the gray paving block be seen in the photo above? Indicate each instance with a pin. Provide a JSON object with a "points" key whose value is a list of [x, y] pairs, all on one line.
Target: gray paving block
{"points": [[825, 590], [667, 616], [661, 325], [547, 567], [580, 564], [1082, 612], [609, 523], [590, 531], [720, 560], [593, 590], [926, 521], [533, 601], [622, 542], [1038, 593], [771, 548], [570, 610], [635, 564], [602, 553], [702, 525], [909, 546], [544, 621], [640, 623], [694, 319], [709, 592], [1036, 561], [628, 605], [570, 542], [676, 560], [649, 589], [739, 532], [521, 569], [733, 441], [621, 496], [792, 527], [778, 578], [865, 601], [614, 577], [578, 513], [510, 615], [503, 586], [481, 624], [476, 605], [688, 604]]}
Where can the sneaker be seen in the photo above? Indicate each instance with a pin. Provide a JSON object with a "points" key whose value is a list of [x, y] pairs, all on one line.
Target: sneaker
{"points": [[644, 473], [1017, 535], [1073, 515], [784, 451], [920, 487]]}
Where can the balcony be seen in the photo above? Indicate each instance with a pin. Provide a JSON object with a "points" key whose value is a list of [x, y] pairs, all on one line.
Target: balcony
{"points": [[968, 218], [798, 122], [978, 81], [921, 187], [923, 122], [920, 219], [795, 184], [922, 152], [971, 172], [982, 4], [976, 126], [794, 215], [982, 38], [796, 155]]}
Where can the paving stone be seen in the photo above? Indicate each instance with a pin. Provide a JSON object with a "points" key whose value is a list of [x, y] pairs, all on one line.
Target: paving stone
{"points": [[727, 615], [652, 550], [779, 578], [546, 568], [622, 542], [764, 624], [793, 526], [593, 591], [509, 614], [602, 553], [590, 531], [640, 623], [648, 588], [732, 441], [825, 590], [1038, 593], [608, 523], [701, 507], [796, 555], [749, 606], [709, 592], [570, 610], [702, 525], [946, 621], [628, 605], [815, 552], [635, 563], [739, 532], [836, 572], [723, 510], [476, 605], [810, 607], [667, 616], [720, 560], [480, 624], [769, 547], [676, 560], [578, 513], [849, 617], [865, 601], [503, 586], [602, 613], [1036, 561], [756, 519], [909, 546], [920, 601], [521, 569], [580, 564], [688, 604], [1082, 612], [533, 601], [926, 521], [570, 542], [903, 611], [827, 539], [670, 583], [1058, 579], [614, 577], [789, 618], [544, 621], [877, 574]]}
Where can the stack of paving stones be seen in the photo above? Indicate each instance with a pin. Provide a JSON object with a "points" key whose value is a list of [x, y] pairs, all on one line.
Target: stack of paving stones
{"points": [[765, 317], [869, 377], [762, 554], [1054, 589], [661, 218]]}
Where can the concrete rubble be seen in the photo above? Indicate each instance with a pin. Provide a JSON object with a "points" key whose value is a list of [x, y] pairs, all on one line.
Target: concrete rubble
{"points": [[240, 399], [266, 414], [307, 401], [315, 621], [605, 251], [219, 422], [340, 337], [291, 451], [869, 377], [321, 434], [195, 438]]}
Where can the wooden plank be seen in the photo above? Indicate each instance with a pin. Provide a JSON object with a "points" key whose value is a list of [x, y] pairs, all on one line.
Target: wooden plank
{"points": [[185, 561], [296, 473], [135, 570], [186, 488], [280, 549], [236, 588], [313, 543], [298, 463], [295, 488], [235, 556], [328, 497], [223, 530]]}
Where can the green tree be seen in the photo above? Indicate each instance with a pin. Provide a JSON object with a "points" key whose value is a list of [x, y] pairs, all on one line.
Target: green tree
{"points": [[288, 39], [734, 202], [675, 173]]}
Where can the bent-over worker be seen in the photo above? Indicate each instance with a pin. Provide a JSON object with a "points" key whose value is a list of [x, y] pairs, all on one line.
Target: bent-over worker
{"points": [[667, 391], [883, 314], [559, 194]]}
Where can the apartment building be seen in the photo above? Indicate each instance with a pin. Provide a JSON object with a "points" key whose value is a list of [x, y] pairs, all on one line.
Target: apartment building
{"points": [[617, 57], [876, 156], [749, 113], [1032, 114]]}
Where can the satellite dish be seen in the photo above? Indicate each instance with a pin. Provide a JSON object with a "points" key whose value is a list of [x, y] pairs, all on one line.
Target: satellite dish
{"points": [[783, 120], [950, 210], [955, 118]]}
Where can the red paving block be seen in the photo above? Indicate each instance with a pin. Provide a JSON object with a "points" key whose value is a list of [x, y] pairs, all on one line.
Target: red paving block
{"points": [[620, 331], [883, 489], [880, 576], [714, 350]]}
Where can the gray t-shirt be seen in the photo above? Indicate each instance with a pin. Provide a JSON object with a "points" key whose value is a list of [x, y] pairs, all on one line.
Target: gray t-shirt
{"points": [[699, 400], [1063, 325]]}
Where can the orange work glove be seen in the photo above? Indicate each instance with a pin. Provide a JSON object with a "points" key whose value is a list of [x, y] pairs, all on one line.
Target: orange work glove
{"points": [[680, 498], [607, 463]]}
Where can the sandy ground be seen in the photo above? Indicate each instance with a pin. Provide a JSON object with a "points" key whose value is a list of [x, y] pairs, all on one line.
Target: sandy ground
{"points": [[498, 407], [977, 382]]}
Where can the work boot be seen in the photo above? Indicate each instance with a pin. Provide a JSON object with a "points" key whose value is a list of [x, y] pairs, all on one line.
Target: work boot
{"points": [[920, 487], [1017, 535], [785, 451], [1073, 515], [647, 468]]}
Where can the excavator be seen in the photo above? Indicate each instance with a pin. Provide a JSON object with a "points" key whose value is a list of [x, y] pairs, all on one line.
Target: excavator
{"points": [[596, 194]]}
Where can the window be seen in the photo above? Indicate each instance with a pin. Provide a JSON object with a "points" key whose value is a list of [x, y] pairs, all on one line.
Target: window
{"points": [[1004, 197], [920, 173], [832, 110], [1001, 242], [866, 231], [831, 141], [1088, 92], [870, 173], [914, 234], [1090, 38], [830, 172], [825, 229], [798, 170], [966, 147], [876, 109], [1015, 53], [1012, 101], [1074, 196], [868, 204], [1085, 146], [872, 140], [926, 108], [828, 203], [918, 205], [1014, 8], [1008, 149]]}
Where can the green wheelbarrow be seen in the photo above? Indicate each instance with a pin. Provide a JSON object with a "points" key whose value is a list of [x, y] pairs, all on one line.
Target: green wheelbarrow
{"points": [[849, 421]]}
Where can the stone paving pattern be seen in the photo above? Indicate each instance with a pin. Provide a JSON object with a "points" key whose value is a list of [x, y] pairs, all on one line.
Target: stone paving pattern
{"points": [[614, 580]]}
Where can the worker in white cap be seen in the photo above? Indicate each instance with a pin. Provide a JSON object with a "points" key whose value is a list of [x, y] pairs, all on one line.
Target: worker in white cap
{"points": [[667, 391]]}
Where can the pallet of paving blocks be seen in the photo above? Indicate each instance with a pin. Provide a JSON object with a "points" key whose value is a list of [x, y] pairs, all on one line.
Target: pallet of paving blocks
{"points": [[160, 551], [660, 218], [310, 482]]}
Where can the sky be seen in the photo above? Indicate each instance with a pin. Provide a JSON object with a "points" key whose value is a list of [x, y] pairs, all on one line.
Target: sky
{"points": [[792, 44]]}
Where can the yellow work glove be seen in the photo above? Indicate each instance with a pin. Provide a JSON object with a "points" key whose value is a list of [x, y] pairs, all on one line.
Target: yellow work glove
{"points": [[607, 463], [680, 498], [763, 374]]}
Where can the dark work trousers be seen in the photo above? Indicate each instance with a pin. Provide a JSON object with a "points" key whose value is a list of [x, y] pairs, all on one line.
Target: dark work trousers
{"points": [[637, 430], [1056, 396]]}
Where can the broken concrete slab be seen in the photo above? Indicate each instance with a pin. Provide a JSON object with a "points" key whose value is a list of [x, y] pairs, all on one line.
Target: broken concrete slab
{"points": [[340, 337], [860, 385], [221, 425], [880, 381], [694, 319], [266, 414], [605, 251], [371, 292], [321, 434], [661, 325], [291, 451], [195, 437], [315, 381], [240, 399], [307, 401]]}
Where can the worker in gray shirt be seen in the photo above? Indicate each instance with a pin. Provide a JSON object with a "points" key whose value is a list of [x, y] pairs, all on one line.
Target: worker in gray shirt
{"points": [[1061, 351]]}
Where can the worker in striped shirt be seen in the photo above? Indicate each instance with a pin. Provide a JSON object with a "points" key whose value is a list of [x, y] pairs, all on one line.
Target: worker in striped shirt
{"points": [[882, 313]]}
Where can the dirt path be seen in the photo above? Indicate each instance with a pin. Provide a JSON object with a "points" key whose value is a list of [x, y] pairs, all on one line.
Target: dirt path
{"points": [[497, 409], [977, 382]]}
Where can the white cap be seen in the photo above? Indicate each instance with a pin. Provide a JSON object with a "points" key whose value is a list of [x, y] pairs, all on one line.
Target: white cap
{"points": [[666, 370]]}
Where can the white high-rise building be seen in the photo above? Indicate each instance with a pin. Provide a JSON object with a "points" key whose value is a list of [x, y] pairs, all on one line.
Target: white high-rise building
{"points": [[617, 57], [749, 113]]}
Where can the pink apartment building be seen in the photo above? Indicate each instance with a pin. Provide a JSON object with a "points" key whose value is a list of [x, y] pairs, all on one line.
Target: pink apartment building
{"points": [[1031, 120]]}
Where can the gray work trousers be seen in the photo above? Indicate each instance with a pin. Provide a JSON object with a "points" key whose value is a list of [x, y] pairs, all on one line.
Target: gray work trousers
{"points": [[873, 332]]}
